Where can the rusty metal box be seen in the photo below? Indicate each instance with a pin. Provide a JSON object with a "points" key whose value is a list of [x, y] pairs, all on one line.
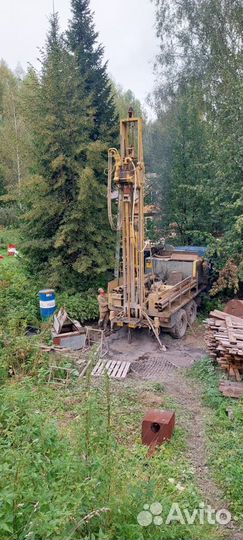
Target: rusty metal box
{"points": [[157, 427]]}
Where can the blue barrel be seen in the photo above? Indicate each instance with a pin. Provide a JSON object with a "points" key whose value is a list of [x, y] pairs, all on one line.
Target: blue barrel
{"points": [[47, 303]]}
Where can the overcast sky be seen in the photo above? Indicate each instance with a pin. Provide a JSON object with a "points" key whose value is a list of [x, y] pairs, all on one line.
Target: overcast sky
{"points": [[126, 29]]}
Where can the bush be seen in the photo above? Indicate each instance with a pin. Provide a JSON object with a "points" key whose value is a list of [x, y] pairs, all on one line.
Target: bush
{"points": [[8, 236], [18, 295], [83, 306], [20, 354]]}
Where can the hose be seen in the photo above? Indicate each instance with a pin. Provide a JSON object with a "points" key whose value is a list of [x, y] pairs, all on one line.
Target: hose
{"points": [[109, 184], [112, 152]]}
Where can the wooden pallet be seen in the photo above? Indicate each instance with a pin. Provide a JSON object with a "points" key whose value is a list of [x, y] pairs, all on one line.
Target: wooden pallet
{"points": [[116, 369]]}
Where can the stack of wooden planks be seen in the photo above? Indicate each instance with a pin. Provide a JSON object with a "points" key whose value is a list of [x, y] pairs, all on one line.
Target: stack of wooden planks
{"points": [[224, 338]]}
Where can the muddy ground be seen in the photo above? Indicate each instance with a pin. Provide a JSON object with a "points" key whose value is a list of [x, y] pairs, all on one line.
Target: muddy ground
{"points": [[181, 353]]}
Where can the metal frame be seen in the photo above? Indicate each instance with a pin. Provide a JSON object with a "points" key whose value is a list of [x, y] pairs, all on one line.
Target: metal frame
{"points": [[129, 178]]}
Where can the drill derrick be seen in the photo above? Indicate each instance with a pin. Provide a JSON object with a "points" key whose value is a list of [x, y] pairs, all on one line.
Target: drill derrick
{"points": [[129, 180], [157, 291]]}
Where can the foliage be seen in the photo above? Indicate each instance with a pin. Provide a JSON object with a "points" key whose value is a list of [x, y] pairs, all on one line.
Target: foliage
{"points": [[18, 295], [209, 303], [64, 222], [198, 98], [224, 430], [20, 354], [15, 143], [84, 473], [8, 236], [83, 307], [124, 99], [82, 41], [228, 279]]}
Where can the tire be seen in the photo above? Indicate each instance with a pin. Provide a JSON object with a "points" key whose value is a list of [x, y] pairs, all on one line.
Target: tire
{"points": [[191, 311], [179, 329]]}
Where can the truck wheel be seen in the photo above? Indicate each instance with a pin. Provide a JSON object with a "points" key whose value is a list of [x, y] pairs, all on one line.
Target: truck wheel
{"points": [[179, 329], [191, 311]]}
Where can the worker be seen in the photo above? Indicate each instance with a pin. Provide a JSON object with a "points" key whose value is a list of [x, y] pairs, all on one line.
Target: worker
{"points": [[103, 309]]}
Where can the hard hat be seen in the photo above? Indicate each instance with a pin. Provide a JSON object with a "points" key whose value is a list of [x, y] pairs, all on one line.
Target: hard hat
{"points": [[100, 290]]}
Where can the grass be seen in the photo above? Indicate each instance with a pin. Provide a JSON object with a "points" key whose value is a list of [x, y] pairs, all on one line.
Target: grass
{"points": [[224, 434], [51, 483], [72, 463]]}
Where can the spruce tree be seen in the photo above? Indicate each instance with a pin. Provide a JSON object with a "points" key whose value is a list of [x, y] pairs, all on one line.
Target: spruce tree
{"points": [[82, 39], [65, 223]]}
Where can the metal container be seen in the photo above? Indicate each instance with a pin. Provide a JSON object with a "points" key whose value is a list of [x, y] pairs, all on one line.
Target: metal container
{"points": [[47, 303], [70, 340], [157, 427]]}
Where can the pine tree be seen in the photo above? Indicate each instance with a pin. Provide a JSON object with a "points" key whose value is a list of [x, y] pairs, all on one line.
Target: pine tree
{"points": [[82, 40]]}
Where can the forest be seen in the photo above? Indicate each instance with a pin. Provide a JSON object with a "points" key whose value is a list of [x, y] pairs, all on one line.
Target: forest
{"points": [[72, 464], [57, 122]]}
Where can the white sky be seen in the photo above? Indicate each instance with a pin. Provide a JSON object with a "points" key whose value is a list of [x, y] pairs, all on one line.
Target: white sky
{"points": [[126, 29]]}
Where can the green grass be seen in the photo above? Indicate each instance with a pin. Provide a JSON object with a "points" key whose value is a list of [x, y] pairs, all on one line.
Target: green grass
{"points": [[64, 457], [72, 463], [224, 434]]}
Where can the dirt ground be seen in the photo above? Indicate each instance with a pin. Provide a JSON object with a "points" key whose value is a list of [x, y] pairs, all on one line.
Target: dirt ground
{"points": [[180, 352], [148, 363]]}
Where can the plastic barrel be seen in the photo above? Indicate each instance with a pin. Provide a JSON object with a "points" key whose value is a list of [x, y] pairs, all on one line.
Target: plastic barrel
{"points": [[47, 303]]}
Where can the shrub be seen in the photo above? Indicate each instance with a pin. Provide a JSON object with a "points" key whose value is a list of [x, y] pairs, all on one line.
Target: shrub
{"points": [[83, 306]]}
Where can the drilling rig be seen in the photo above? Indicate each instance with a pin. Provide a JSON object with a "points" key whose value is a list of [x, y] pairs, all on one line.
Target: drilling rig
{"points": [[155, 292]]}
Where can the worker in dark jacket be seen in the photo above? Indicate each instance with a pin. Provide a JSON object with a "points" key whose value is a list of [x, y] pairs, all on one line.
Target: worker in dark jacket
{"points": [[103, 309]]}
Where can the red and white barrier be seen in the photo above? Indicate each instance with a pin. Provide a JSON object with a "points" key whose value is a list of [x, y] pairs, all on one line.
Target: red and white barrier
{"points": [[11, 250]]}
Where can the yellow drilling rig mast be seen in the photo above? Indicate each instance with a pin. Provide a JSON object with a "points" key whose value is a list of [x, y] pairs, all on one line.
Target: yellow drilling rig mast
{"points": [[129, 179], [126, 294], [152, 291]]}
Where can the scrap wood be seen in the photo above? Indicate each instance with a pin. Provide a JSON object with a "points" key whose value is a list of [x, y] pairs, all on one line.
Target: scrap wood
{"points": [[69, 353], [58, 380], [224, 339], [63, 318], [231, 389]]}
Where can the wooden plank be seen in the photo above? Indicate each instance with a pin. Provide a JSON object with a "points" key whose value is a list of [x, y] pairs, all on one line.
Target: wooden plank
{"points": [[106, 367], [230, 330], [221, 315], [100, 368], [111, 367], [125, 371], [120, 370], [231, 389], [94, 371], [115, 369]]}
